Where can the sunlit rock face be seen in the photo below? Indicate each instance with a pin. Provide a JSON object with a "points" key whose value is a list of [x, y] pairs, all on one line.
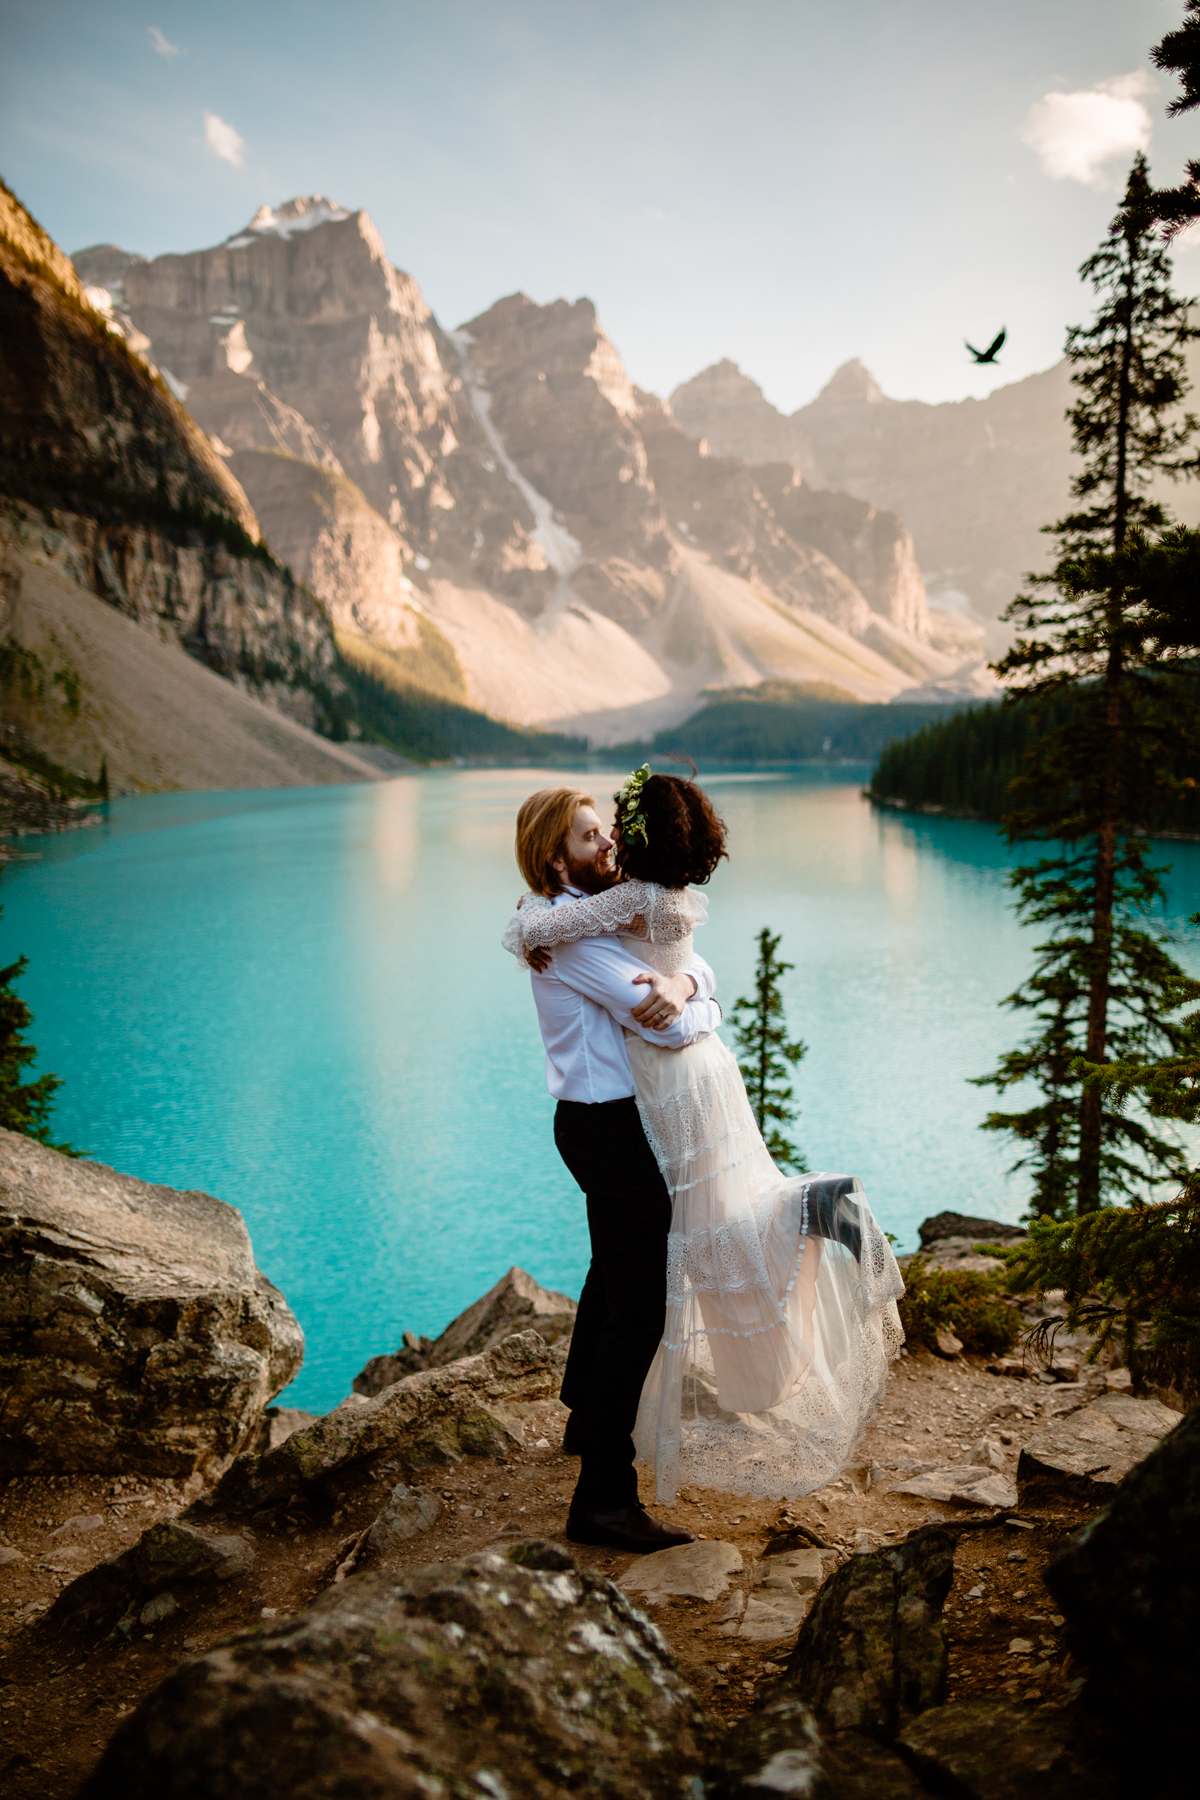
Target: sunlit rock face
{"points": [[299, 334], [106, 476], [500, 505], [972, 480], [137, 1331]]}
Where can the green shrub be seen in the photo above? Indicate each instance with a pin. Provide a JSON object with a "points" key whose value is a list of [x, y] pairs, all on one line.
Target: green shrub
{"points": [[968, 1302], [1129, 1275]]}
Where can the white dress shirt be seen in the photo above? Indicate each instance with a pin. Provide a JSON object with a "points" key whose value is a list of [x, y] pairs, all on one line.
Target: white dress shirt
{"points": [[585, 1004]]}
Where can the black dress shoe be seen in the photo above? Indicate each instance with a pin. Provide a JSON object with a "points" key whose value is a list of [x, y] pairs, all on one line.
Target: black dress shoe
{"points": [[624, 1528]]}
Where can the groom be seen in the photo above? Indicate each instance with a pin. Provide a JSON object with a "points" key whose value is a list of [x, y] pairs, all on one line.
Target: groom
{"points": [[586, 998]]}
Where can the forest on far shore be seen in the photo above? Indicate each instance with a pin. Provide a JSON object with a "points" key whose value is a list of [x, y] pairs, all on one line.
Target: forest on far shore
{"points": [[965, 764], [783, 722]]}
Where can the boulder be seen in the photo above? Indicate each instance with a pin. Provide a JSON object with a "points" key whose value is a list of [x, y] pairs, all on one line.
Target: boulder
{"points": [[782, 1588], [1068, 1367], [136, 1332], [778, 1753], [434, 1417], [275, 1424], [516, 1303], [508, 1673], [969, 1226], [871, 1654], [961, 1484], [960, 1254], [1083, 1455], [171, 1564], [1129, 1587], [405, 1514], [699, 1571], [991, 1748]]}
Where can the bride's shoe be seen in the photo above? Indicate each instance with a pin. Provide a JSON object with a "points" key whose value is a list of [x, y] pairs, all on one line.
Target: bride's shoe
{"points": [[831, 1213]]}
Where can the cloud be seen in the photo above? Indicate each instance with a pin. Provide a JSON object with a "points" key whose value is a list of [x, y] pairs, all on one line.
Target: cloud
{"points": [[1075, 135], [161, 42], [223, 140]]}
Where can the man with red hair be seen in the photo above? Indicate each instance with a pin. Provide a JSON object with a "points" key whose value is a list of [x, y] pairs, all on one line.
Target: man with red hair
{"points": [[587, 999]]}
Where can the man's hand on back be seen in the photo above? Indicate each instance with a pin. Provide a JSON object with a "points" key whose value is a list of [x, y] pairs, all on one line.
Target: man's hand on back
{"points": [[668, 996]]}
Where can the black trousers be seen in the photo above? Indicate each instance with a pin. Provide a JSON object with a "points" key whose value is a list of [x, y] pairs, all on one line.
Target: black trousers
{"points": [[622, 1308]]}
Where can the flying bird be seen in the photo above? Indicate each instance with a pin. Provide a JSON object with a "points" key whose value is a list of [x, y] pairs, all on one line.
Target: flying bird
{"points": [[988, 355]]}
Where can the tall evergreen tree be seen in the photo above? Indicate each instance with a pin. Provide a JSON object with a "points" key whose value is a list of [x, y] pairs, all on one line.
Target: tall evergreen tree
{"points": [[1104, 622], [24, 1105], [1179, 54], [765, 1052], [1132, 1273]]}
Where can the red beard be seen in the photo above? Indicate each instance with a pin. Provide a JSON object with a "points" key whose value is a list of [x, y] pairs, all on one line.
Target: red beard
{"points": [[588, 878]]}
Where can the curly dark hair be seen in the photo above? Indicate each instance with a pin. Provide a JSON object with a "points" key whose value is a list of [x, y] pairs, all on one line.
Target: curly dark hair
{"points": [[686, 838]]}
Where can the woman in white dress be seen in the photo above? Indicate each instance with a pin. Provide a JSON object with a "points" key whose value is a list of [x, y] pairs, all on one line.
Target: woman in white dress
{"points": [[781, 1312]]}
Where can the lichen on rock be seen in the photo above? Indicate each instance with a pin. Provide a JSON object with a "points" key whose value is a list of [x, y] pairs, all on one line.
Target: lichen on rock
{"points": [[515, 1663]]}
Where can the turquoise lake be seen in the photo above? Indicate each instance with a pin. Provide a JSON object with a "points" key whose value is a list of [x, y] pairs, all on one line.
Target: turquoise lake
{"points": [[297, 1001]]}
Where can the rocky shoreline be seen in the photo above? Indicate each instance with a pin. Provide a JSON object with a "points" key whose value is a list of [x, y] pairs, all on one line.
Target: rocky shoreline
{"points": [[933, 809], [30, 804], [203, 1592]]}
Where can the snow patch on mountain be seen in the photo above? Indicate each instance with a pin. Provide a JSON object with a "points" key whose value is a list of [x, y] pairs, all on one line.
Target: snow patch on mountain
{"points": [[564, 553], [302, 214]]}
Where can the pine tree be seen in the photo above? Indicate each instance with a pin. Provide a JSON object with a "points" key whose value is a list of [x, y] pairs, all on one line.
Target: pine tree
{"points": [[1104, 623], [765, 1052], [1132, 1273], [1179, 53], [24, 1105]]}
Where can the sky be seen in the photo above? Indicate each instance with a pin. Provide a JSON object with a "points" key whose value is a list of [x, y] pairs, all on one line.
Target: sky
{"points": [[789, 183]]}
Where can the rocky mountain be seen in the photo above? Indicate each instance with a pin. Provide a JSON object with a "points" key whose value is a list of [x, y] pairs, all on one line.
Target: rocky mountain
{"points": [[974, 480], [496, 512], [113, 501]]}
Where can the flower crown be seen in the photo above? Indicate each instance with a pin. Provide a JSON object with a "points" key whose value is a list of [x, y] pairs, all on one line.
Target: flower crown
{"points": [[630, 816]]}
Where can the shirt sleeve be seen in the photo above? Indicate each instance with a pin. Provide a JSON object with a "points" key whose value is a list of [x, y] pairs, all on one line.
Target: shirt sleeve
{"points": [[702, 975], [603, 970]]}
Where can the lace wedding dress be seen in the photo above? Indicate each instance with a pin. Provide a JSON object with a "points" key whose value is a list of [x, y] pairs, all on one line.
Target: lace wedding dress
{"points": [[781, 1289]]}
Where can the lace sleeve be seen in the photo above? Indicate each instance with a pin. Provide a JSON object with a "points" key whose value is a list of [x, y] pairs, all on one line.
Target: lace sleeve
{"points": [[674, 913], [670, 914], [512, 938]]}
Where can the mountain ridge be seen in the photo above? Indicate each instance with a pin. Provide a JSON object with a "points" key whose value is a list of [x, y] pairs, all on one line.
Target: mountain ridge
{"points": [[518, 471], [133, 568], [975, 478]]}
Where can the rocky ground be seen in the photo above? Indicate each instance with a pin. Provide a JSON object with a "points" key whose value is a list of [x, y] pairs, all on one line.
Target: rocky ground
{"points": [[266, 1601], [1004, 1634]]}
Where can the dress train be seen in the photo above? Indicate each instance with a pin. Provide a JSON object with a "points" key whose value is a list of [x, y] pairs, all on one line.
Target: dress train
{"points": [[781, 1316]]}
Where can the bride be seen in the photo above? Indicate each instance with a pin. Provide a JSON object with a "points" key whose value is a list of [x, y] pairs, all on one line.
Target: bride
{"points": [[781, 1312]]}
